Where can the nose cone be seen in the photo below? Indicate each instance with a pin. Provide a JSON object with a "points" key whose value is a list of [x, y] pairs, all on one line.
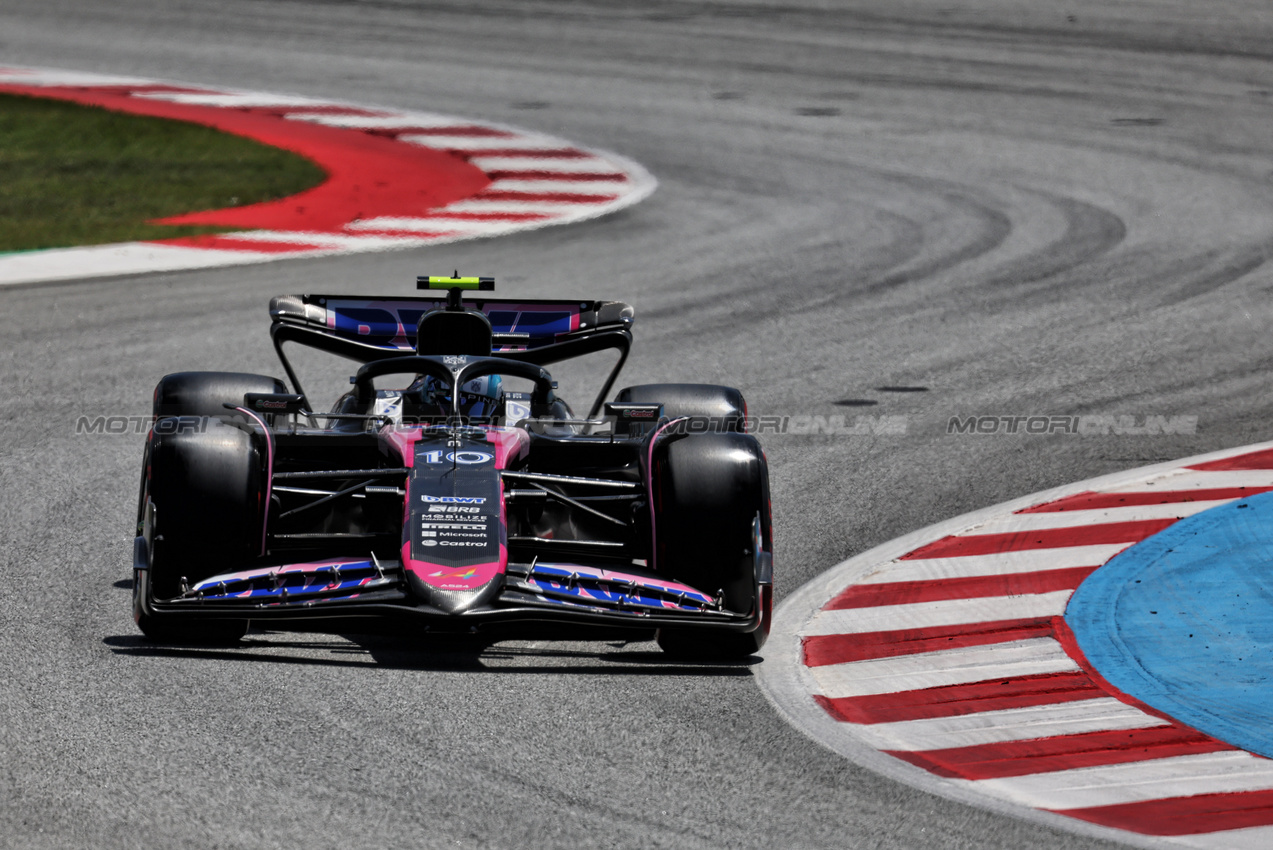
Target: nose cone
{"points": [[454, 546], [454, 589]]}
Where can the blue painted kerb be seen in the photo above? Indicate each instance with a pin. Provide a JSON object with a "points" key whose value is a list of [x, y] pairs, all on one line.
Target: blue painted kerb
{"points": [[1183, 621]]}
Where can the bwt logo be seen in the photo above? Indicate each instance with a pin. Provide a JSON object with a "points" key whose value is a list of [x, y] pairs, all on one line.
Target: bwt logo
{"points": [[1084, 426], [454, 500]]}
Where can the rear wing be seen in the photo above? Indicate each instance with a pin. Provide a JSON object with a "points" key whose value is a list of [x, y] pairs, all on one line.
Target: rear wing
{"points": [[388, 324], [366, 328]]}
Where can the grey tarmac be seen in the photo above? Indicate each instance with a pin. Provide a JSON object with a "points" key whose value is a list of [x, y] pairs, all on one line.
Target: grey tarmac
{"points": [[911, 209]]}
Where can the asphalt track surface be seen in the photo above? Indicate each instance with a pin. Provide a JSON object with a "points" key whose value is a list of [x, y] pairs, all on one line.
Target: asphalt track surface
{"points": [[1023, 209]]}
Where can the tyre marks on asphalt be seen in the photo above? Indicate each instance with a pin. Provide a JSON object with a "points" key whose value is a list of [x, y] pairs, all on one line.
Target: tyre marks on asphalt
{"points": [[1089, 232], [950, 655], [395, 179]]}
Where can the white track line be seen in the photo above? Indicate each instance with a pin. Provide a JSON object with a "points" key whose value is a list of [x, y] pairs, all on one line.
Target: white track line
{"points": [[400, 120], [1030, 657], [563, 166], [438, 224], [234, 100], [1181, 776], [946, 612], [997, 564], [1193, 479], [1014, 724], [1070, 519]]}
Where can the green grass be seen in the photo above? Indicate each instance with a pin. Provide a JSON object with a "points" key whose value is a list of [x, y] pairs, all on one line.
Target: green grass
{"points": [[79, 175]]}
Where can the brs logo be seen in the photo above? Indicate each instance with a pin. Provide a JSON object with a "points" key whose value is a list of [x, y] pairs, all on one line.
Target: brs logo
{"points": [[454, 500]]}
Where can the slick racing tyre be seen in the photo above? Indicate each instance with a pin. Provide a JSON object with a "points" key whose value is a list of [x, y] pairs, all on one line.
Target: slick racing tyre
{"points": [[712, 527], [204, 479], [709, 407], [207, 393]]}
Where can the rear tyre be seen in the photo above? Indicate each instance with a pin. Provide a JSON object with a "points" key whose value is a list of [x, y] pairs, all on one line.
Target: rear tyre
{"points": [[709, 407], [207, 393], [713, 533], [204, 479]]}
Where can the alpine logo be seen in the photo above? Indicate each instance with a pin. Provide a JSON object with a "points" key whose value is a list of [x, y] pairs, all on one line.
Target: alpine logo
{"points": [[454, 500]]}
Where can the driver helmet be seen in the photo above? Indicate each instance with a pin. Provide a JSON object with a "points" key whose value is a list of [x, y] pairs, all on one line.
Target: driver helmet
{"points": [[479, 398]]}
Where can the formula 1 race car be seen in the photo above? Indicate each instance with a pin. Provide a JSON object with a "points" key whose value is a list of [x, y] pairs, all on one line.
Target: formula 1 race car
{"points": [[454, 502]]}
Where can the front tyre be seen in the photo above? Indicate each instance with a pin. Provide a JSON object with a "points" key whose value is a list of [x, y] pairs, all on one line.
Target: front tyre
{"points": [[203, 491], [713, 532]]}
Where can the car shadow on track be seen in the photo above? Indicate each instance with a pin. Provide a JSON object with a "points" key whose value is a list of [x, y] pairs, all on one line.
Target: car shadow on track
{"points": [[450, 653]]}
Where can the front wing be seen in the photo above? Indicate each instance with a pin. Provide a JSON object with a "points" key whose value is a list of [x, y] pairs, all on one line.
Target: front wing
{"points": [[369, 588]]}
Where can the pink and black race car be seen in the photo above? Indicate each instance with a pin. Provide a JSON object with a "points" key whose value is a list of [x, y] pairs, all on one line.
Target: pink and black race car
{"points": [[456, 501]]}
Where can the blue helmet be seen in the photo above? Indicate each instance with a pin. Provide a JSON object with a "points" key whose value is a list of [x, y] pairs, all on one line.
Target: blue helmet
{"points": [[479, 398]]}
